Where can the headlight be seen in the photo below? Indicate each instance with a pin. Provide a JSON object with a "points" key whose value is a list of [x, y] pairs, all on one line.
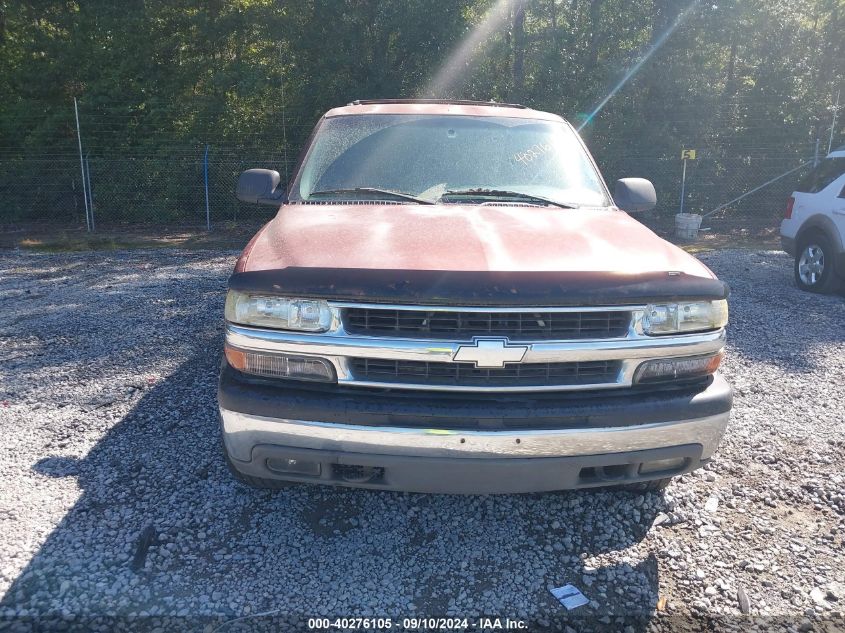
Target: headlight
{"points": [[697, 316], [278, 312]]}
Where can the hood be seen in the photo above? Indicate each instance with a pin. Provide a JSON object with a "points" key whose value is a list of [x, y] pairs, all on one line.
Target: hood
{"points": [[449, 237]]}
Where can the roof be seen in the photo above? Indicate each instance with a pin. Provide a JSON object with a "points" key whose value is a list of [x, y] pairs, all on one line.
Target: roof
{"points": [[490, 103], [839, 152], [438, 106]]}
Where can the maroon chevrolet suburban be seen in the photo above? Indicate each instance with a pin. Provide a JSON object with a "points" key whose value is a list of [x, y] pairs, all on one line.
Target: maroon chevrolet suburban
{"points": [[449, 299]]}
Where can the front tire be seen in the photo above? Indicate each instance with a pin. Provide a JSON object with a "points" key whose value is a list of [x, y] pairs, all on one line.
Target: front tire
{"points": [[654, 485], [814, 265]]}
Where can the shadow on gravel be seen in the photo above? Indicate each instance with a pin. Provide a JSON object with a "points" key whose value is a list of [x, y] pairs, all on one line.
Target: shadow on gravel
{"points": [[163, 536], [161, 529]]}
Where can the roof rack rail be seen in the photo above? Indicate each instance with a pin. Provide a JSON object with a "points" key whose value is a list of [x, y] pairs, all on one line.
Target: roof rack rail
{"points": [[439, 101]]}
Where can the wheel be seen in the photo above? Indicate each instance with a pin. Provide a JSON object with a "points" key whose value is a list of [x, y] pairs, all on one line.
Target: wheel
{"points": [[655, 485], [814, 264], [255, 482]]}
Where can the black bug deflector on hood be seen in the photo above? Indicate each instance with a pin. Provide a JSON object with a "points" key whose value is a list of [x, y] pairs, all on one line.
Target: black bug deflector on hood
{"points": [[483, 288]]}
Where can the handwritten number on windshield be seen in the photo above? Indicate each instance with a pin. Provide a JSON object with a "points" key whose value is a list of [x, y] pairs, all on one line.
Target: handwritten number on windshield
{"points": [[532, 153]]}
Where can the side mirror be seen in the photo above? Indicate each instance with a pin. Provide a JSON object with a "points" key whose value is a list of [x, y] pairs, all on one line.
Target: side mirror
{"points": [[260, 186], [634, 195]]}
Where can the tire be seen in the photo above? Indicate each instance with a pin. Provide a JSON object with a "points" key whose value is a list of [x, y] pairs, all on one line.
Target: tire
{"points": [[255, 482], [655, 485], [814, 261]]}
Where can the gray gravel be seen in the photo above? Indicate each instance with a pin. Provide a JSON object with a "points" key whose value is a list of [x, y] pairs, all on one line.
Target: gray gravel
{"points": [[115, 500]]}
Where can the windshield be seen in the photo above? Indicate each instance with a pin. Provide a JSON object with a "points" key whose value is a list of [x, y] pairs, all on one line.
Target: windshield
{"points": [[428, 156], [825, 173]]}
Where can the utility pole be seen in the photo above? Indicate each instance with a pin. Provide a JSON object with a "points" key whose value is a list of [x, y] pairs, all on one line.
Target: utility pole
{"points": [[205, 178], [833, 124], [284, 121], [90, 193], [82, 166]]}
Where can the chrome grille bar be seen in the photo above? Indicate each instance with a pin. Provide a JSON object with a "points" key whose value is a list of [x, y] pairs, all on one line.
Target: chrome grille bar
{"points": [[517, 326], [468, 375]]}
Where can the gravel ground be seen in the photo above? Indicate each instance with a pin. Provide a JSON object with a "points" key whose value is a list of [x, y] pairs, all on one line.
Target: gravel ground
{"points": [[115, 502]]}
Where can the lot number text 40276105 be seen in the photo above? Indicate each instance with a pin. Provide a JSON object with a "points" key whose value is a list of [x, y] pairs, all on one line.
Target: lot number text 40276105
{"points": [[418, 624]]}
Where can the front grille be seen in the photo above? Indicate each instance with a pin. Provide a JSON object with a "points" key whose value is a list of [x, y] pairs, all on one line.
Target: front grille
{"points": [[468, 375], [517, 326]]}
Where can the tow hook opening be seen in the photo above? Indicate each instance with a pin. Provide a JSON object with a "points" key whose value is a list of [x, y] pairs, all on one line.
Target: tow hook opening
{"points": [[616, 473], [355, 474]]}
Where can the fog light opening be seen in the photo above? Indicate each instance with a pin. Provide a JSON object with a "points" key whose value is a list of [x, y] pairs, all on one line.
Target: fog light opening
{"points": [[663, 465], [285, 466]]}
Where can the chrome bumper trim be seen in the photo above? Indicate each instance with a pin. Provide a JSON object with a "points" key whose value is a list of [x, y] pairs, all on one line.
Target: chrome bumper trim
{"points": [[242, 432], [443, 351], [483, 309]]}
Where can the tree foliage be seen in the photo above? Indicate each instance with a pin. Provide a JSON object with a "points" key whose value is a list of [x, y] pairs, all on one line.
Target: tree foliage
{"points": [[740, 77]]}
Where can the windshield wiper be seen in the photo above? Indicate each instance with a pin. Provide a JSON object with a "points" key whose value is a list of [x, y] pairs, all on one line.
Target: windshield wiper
{"points": [[500, 193], [387, 192]]}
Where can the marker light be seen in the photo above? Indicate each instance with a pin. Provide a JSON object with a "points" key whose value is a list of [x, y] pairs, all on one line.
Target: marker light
{"points": [[280, 365], [668, 369]]}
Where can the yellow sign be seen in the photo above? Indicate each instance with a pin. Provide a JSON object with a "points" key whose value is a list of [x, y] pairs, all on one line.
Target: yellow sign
{"points": [[687, 154]]}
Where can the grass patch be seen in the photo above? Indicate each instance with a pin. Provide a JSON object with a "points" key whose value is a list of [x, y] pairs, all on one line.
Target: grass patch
{"points": [[751, 236], [42, 239], [717, 242], [73, 245]]}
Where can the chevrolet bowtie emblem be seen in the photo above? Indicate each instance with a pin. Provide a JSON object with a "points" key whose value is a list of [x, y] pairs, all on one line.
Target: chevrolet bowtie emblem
{"points": [[490, 353]]}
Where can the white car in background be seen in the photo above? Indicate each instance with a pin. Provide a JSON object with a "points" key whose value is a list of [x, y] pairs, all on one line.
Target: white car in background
{"points": [[813, 227]]}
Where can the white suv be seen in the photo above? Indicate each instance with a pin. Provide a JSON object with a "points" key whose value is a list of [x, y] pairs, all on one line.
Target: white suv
{"points": [[813, 227]]}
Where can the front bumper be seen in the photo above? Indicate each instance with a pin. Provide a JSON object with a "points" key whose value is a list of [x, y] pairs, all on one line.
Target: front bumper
{"points": [[472, 447], [788, 244]]}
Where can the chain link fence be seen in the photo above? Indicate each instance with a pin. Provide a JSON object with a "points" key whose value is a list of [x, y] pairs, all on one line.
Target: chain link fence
{"points": [[714, 179], [167, 188]]}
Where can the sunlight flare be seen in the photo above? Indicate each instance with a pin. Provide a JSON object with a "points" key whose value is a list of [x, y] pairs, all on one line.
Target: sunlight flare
{"points": [[455, 66], [633, 70]]}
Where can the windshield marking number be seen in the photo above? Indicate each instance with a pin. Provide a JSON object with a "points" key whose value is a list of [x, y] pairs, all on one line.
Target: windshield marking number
{"points": [[529, 155]]}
